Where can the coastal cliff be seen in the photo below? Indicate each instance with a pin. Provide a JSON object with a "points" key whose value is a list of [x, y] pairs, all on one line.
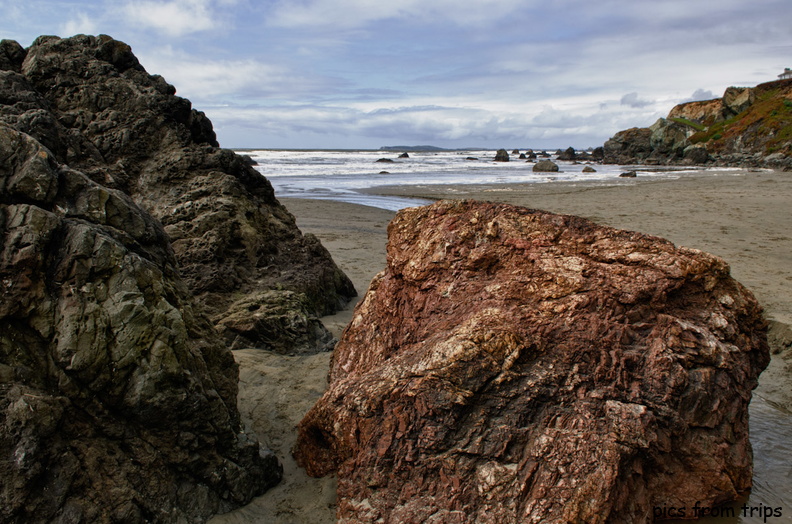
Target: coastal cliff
{"points": [[133, 253], [749, 127]]}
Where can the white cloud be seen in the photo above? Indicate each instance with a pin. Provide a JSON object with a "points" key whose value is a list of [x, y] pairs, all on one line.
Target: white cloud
{"points": [[80, 24], [174, 18], [347, 14], [471, 125], [211, 80]]}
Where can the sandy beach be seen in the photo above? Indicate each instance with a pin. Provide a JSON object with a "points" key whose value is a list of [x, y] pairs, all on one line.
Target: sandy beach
{"points": [[740, 216]]}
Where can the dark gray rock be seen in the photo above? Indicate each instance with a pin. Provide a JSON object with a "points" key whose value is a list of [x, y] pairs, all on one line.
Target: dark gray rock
{"points": [[11, 56], [117, 397], [545, 166], [502, 155], [696, 155], [628, 146], [568, 154], [91, 103]]}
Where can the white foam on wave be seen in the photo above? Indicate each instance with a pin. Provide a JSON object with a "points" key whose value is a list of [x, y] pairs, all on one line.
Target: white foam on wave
{"points": [[340, 175]]}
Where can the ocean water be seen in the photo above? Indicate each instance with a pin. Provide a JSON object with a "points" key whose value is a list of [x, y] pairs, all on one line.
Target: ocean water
{"points": [[340, 175], [343, 175]]}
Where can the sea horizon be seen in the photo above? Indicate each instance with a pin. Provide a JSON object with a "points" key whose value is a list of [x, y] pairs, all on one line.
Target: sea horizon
{"points": [[352, 176]]}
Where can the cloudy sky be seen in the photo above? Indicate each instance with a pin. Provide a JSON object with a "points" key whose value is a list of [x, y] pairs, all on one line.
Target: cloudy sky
{"points": [[451, 73]]}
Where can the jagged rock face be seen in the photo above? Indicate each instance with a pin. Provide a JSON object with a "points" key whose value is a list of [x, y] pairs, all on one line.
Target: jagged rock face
{"points": [[628, 146], [93, 105], [738, 99], [511, 365], [706, 112], [668, 138], [117, 397]]}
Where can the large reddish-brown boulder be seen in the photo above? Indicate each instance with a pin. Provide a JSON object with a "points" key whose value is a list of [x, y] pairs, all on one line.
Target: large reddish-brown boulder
{"points": [[511, 365]]}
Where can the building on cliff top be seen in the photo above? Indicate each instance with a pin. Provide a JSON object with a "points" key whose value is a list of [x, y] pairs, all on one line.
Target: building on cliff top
{"points": [[787, 74]]}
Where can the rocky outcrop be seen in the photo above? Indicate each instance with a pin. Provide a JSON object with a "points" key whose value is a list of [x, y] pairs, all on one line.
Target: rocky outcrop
{"points": [[569, 154], [545, 166], [511, 365], [707, 112], [90, 102], [745, 127], [630, 146], [738, 99], [117, 397], [502, 155]]}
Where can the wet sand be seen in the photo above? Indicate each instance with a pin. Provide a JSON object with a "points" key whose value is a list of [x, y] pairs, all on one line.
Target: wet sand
{"points": [[742, 217]]}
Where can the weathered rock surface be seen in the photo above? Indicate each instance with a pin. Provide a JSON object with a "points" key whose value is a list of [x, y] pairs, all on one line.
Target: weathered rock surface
{"points": [[628, 146], [568, 154], [91, 103], [501, 155], [512, 365], [117, 397], [545, 166]]}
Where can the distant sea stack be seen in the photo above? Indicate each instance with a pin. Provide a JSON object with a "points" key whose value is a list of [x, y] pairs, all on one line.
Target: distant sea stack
{"points": [[746, 127], [135, 251], [511, 365]]}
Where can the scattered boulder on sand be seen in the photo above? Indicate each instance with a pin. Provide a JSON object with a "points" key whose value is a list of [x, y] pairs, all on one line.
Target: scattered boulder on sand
{"points": [[117, 397], [545, 166], [502, 155], [696, 155], [628, 174], [589, 169], [511, 365]]}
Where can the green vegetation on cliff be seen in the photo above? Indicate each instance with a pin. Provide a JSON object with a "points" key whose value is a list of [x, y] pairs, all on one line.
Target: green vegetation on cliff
{"points": [[765, 127], [748, 126]]}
